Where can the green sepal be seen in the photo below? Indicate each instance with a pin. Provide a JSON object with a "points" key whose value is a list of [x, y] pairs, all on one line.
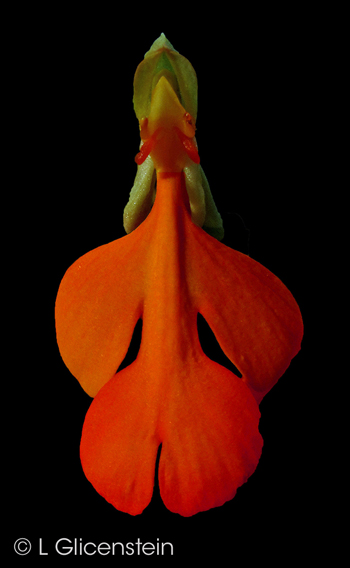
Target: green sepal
{"points": [[141, 197], [203, 209]]}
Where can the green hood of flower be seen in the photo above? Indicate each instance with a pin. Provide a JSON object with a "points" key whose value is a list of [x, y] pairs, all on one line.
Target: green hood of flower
{"points": [[163, 60]]}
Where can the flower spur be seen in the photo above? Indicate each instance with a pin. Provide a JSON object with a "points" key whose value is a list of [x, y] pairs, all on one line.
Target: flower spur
{"points": [[166, 271]]}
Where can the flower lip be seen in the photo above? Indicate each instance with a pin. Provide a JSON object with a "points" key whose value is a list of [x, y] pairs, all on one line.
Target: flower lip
{"points": [[166, 273]]}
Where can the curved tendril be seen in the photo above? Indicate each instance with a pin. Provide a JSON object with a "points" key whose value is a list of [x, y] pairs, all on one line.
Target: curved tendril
{"points": [[146, 148], [189, 146]]}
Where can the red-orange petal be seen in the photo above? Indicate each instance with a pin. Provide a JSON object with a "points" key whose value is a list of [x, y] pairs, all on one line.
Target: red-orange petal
{"points": [[98, 304], [211, 442], [254, 317], [119, 442], [206, 420]]}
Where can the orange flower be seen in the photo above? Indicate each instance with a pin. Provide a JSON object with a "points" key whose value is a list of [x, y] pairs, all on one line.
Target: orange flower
{"points": [[166, 271]]}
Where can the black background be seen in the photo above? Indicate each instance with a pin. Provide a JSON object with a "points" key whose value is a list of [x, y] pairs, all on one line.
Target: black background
{"points": [[73, 139]]}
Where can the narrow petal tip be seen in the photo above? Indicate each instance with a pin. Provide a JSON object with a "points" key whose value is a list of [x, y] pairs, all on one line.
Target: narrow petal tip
{"points": [[160, 43]]}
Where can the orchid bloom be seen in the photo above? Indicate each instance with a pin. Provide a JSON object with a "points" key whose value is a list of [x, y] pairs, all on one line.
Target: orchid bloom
{"points": [[170, 267]]}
